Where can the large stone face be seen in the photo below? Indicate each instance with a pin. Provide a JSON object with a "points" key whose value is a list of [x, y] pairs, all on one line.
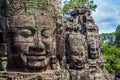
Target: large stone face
{"points": [[30, 38]]}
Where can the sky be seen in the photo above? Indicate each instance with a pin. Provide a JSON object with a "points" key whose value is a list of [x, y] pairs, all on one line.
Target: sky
{"points": [[107, 15]]}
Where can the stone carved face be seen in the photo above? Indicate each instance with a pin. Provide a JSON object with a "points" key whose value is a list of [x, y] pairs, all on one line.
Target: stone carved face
{"points": [[53, 62], [77, 51], [29, 44], [94, 53], [94, 49]]}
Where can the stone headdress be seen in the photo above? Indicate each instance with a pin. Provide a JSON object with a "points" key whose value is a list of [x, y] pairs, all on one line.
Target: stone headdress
{"points": [[40, 9]]}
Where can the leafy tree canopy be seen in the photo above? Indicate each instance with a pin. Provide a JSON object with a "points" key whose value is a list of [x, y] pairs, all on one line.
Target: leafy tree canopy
{"points": [[70, 5], [108, 38], [111, 50], [111, 56]]}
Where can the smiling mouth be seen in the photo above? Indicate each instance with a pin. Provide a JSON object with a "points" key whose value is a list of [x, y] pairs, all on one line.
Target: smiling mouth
{"points": [[36, 54], [79, 64], [32, 64], [34, 51], [35, 58]]}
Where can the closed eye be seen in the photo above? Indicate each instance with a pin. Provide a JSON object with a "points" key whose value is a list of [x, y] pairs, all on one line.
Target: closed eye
{"points": [[26, 33]]}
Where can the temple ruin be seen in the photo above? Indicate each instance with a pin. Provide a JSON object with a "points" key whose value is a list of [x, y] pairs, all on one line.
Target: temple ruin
{"points": [[38, 44]]}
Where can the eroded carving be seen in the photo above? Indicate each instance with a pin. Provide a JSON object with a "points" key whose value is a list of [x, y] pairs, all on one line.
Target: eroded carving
{"points": [[70, 51], [76, 47], [30, 39]]}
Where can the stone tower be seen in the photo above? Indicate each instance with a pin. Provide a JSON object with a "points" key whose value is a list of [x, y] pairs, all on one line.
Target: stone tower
{"points": [[43, 46], [83, 47]]}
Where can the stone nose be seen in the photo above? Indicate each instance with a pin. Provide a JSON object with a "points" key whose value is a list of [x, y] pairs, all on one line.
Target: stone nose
{"points": [[79, 59], [38, 42]]}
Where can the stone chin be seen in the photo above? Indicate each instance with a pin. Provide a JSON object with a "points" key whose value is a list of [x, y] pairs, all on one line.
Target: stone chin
{"points": [[38, 65], [78, 66], [77, 62], [94, 56], [37, 59]]}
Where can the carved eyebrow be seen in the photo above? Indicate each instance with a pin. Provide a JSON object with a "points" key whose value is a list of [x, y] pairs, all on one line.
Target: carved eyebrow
{"points": [[33, 30], [28, 27]]}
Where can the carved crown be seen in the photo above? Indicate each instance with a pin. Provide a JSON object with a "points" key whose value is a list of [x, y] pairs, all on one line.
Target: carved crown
{"points": [[23, 6]]}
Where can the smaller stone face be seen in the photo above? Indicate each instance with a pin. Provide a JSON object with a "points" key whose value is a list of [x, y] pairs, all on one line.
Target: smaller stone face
{"points": [[54, 63], [93, 49], [75, 46]]}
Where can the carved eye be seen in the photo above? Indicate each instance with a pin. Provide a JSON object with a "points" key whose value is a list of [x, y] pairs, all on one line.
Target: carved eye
{"points": [[75, 53], [46, 33], [81, 54], [26, 33], [92, 49]]}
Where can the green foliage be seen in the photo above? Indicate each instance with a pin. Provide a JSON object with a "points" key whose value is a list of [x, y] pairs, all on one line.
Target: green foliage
{"points": [[70, 5], [108, 38], [111, 50], [111, 55]]}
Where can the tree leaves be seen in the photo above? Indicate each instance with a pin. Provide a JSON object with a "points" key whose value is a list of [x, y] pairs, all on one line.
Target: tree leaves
{"points": [[111, 50], [70, 5]]}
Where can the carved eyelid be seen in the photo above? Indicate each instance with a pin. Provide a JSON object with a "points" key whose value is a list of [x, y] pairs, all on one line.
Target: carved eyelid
{"points": [[43, 31], [33, 30]]}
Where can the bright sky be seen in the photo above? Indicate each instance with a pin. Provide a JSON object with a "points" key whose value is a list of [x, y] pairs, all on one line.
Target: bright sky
{"points": [[107, 15]]}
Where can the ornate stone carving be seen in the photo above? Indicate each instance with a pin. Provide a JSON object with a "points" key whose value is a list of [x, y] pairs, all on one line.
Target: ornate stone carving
{"points": [[76, 47], [30, 40], [37, 40], [60, 43], [83, 44], [94, 49]]}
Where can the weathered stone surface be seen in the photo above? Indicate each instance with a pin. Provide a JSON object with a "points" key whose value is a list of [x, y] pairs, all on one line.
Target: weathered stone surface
{"points": [[117, 75], [42, 46], [60, 43], [83, 47], [78, 75], [2, 43], [76, 47], [30, 38]]}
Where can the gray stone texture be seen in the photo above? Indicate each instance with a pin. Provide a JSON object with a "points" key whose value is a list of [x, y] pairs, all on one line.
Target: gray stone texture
{"points": [[43, 46]]}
